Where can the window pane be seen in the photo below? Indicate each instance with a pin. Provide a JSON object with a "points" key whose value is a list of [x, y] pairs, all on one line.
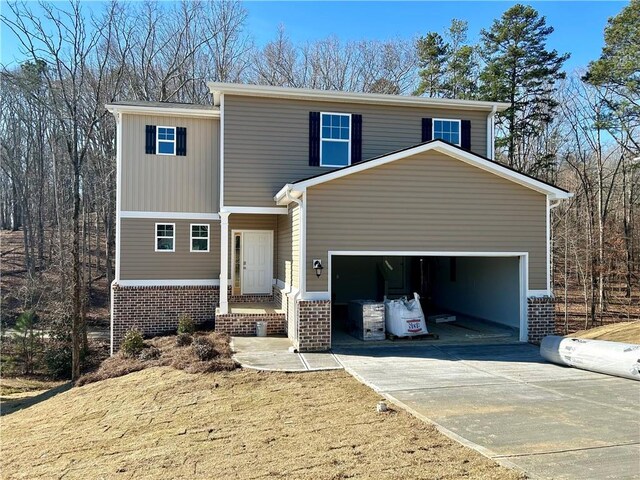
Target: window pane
{"points": [[326, 132], [199, 231], [344, 121], [199, 244], [437, 126], [344, 133], [166, 147], [326, 120], [335, 153], [165, 243], [455, 138], [335, 120]]}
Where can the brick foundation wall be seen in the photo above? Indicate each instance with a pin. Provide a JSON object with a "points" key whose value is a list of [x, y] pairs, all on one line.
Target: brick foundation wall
{"points": [[314, 325], [541, 318], [155, 310], [245, 324]]}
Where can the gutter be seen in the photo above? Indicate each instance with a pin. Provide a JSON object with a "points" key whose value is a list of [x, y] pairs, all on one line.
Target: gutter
{"points": [[491, 134]]}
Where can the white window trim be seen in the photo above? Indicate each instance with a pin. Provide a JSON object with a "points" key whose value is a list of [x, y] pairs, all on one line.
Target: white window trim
{"points": [[456, 120], [175, 134], [156, 237], [336, 140], [192, 238]]}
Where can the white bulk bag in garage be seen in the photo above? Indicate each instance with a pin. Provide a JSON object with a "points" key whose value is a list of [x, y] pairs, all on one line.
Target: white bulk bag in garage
{"points": [[404, 318]]}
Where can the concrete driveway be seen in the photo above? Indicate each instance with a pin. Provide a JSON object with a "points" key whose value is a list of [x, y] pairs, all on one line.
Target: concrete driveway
{"points": [[508, 403]]}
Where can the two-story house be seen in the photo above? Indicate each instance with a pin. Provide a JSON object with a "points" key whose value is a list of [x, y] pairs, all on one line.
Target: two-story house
{"points": [[284, 204]]}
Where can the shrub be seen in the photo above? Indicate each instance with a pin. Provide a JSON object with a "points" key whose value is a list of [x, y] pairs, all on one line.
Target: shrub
{"points": [[132, 343], [204, 349], [149, 353], [28, 339], [186, 324], [184, 340], [57, 359]]}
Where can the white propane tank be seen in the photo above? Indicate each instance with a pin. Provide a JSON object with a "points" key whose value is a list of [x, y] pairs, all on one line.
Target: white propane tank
{"points": [[611, 358]]}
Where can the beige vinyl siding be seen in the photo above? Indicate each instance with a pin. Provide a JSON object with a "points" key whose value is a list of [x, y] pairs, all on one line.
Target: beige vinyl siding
{"points": [[167, 183], [140, 261], [240, 221], [288, 257], [267, 140], [427, 202]]}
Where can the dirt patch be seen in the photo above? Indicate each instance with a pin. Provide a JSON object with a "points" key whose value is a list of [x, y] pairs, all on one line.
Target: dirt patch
{"points": [[182, 358], [163, 423], [627, 332]]}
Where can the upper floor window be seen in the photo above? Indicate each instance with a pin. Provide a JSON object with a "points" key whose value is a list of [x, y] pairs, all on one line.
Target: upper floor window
{"points": [[447, 130], [166, 143], [199, 238], [335, 139], [165, 237]]}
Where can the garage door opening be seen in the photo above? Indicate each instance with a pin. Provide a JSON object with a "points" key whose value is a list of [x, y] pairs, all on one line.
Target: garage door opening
{"points": [[483, 293]]}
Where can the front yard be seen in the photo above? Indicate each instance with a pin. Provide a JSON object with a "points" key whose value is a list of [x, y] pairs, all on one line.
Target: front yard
{"points": [[165, 423]]}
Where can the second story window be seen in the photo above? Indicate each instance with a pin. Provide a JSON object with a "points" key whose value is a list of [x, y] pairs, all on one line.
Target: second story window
{"points": [[166, 143], [335, 139], [447, 130]]}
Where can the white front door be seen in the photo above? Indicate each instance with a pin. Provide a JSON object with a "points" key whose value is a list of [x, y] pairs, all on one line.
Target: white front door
{"points": [[257, 262]]}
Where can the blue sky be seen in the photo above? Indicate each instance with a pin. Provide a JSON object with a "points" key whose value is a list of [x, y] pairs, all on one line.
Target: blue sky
{"points": [[578, 25]]}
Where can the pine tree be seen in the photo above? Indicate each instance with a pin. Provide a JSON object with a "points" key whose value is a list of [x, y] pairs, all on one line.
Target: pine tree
{"points": [[520, 70], [461, 70], [617, 74], [432, 54]]}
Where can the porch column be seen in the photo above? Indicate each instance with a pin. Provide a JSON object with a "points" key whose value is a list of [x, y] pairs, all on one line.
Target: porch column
{"points": [[224, 262]]}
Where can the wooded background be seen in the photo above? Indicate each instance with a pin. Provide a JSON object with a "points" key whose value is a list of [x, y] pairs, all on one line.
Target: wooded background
{"points": [[579, 130]]}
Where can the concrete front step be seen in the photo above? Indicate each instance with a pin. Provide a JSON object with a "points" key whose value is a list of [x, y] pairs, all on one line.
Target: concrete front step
{"points": [[242, 318]]}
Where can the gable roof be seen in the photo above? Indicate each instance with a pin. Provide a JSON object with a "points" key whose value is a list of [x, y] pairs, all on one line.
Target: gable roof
{"points": [[296, 189], [268, 91]]}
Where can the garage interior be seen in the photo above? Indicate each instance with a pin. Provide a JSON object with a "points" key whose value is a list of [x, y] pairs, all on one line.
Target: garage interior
{"points": [[483, 293]]}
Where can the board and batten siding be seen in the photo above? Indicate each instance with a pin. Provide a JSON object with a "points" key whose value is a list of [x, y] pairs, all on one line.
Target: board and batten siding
{"points": [[289, 247], [167, 183], [266, 142], [241, 221], [140, 261], [426, 202]]}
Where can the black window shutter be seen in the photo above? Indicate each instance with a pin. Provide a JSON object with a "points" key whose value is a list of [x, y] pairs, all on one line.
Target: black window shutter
{"points": [[314, 139], [150, 140], [427, 129], [356, 138], [181, 141], [465, 134]]}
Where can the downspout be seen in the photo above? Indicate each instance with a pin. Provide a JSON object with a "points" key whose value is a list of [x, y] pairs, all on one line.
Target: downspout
{"points": [[491, 133], [301, 265], [550, 206]]}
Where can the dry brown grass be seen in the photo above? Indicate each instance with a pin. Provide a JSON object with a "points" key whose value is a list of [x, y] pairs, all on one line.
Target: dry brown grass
{"points": [[163, 423], [182, 358], [627, 332]]}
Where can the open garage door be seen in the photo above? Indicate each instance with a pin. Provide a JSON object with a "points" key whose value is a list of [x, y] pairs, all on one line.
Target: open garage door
{"points": [[485, 294]]}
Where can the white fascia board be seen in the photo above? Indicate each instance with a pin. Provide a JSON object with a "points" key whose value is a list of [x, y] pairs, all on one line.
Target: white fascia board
{"points": [[425, 253], [442, 147], [281, 197], [150, 110], [170, 215], [256, 210], [168, 283], [218, 88]]}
